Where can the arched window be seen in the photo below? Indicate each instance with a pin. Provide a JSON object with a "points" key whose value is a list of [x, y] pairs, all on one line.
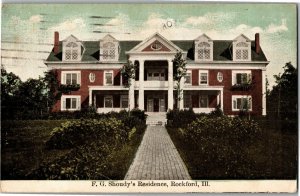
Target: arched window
{"points": [[72, 51], [242, 51], [109, 51], [204, 51]]}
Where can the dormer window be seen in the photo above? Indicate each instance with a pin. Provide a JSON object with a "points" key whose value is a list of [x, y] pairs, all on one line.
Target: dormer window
{"points": [[109, 49], [72, 49], [71, 52], [203, 49], [241, 49]]}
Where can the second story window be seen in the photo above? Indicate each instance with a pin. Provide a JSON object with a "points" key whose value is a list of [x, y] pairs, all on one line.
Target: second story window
{"points": [[188, 78], [70, 77], [241, 77], [203, 77], [108, 77]]}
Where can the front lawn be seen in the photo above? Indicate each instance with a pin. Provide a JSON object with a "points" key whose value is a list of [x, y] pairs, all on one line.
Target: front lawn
{"points": [[232, 148], [82, 149]]}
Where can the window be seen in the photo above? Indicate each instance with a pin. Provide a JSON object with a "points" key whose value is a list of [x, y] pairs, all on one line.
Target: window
{"points": [[108, 77], [187, 101], [70, 77], [241, 103], [242, 51], [72, 51], [156, 46], [124, 101], [109, 51], [203, 99], [158, 75], [241, 77], [92, 77], [70, 102], [203, 77], [220, 77], [108, 101], [188, 78], [204, 51]]}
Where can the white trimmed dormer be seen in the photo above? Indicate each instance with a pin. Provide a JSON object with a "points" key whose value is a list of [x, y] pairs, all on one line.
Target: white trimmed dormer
{"points": [[72, 49], [241, 48], [203, 48], [109, 49]]}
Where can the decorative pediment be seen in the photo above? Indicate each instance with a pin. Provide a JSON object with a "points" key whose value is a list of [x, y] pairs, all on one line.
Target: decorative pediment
{"points": [[155, 43], [204, 37], [241, 38], [71, 38]]}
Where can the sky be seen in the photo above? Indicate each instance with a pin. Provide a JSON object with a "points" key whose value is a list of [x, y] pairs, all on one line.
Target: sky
{"points": [[27, 30]]}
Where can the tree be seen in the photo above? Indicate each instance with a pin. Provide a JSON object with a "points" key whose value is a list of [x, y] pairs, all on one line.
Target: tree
{"points": [[128, 74], [283, 100], [179, 71]]}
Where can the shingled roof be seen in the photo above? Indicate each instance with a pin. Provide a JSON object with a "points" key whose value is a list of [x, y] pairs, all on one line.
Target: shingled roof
{"points": [[222, 50]]}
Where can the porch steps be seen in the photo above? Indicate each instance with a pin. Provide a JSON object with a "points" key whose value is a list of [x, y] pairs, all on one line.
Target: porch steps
{"points": [[156, 118]]}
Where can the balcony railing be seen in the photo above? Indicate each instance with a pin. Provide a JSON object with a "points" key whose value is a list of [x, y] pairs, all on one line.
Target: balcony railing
{"points": [[151, 84]]}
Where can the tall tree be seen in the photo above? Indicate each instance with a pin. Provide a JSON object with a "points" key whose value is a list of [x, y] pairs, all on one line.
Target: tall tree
{"points": [[283, 98]]}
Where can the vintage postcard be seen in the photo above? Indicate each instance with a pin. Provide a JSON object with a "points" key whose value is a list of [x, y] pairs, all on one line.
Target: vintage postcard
{"points": [[149, 98]]}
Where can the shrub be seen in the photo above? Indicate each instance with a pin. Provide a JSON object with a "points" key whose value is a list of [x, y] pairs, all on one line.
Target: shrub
{"points": [[78, 132], [180, 118], [221, 143]]}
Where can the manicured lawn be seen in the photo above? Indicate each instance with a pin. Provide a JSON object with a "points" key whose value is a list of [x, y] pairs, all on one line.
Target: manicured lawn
{"points": [[272, 155], [23, 150]]}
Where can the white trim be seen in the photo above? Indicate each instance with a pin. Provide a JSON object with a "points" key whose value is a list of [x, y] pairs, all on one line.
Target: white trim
{"points": [[112, 77], [234, 72], [207, 82], [64, 78], [112, 101], [109, 88], [92, 77], [234, 97], [220, 76], [63, 102], [196, 88], [264, 94]]}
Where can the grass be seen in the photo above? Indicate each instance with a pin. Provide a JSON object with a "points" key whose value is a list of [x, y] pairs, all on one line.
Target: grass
{"points": [[23, 146], [271, 156], [23, 150]]}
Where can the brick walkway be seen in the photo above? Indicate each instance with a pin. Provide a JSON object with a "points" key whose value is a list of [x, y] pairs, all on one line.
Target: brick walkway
{"points": [[157, 158]]}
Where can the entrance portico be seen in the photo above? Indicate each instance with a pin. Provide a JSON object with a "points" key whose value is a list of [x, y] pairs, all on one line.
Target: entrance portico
{"points": [[154, 49]]}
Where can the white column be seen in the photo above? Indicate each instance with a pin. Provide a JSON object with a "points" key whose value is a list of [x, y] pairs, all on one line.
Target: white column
{"points": [[131, 91], [90, 97], [131, 94], [170, 85], [221, 100], [181, 94], [264, 96], [141, 85]]}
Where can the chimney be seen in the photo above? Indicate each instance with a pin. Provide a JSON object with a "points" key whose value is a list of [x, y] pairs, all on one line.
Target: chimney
{"points": [[56, 42], [257, 46]]}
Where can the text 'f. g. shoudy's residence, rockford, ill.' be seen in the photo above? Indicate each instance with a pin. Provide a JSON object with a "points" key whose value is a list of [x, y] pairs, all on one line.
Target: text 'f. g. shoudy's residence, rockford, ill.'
{"points": [[230, 74]]}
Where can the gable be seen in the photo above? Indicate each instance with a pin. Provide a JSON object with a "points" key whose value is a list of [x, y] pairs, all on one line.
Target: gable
{"points": [[156, 46], [150, 45]]}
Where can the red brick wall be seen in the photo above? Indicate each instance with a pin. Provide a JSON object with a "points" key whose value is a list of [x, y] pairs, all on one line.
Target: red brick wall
{"points": [[255, 92], [85, 82]]}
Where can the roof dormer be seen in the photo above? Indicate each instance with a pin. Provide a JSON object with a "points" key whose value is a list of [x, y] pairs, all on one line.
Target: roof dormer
{"points": [[241, 48], [72, 49], [109, 49], [203, 48]]}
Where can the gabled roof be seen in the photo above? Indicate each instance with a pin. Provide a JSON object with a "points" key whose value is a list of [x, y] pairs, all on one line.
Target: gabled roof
{"points": [[71, 38], [203, 36], [243, 36], [222, 50]]}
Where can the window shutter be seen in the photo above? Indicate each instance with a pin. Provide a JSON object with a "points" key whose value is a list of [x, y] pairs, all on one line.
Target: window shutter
{"points": [[63, 80], [234, 104], [78, 103], [250, 103], [79, 78], [63, 103], [238, 78]]}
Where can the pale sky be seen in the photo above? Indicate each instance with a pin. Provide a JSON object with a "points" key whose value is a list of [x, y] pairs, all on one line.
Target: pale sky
{"points": [[27, 30]]}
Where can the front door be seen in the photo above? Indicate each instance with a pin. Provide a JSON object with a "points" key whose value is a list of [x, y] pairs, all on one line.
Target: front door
{"points": [[156, 104], [150, 105]]}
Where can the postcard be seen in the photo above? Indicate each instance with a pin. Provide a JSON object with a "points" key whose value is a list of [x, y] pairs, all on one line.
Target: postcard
{"points": [[149, 98]]}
